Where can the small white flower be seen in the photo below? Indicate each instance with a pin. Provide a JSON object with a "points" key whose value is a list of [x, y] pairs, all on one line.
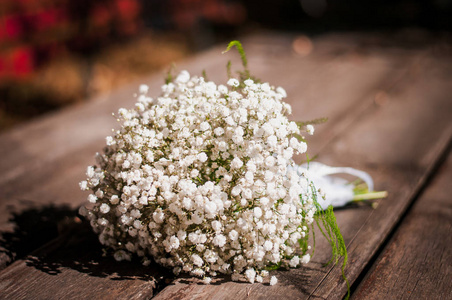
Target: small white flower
{"points": [[207, 280], [202, 157], [114, 199], [204, 126], [83, 185], [310, 129], [236, 190], [233, 82], [110, 141], [218, 131], [222, 89], [294, 261], [210, 207], [236, 163], [219, 240], [92, 198], [257, 212], [183, 77], [233, 235], [174, 242], [216, 225], [121, 255], [248, 82], [250, 275], [302, 147], [273, 280], [272, 141], [143, 89], [306, 258], [90, 172], [104, 208], [99, 194], [281, 91], [158, 216], [268, 245], [197, 260], [102, 221]]}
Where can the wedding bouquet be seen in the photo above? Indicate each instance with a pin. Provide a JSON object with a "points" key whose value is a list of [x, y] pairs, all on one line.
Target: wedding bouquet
{"points": [[202, 180]]}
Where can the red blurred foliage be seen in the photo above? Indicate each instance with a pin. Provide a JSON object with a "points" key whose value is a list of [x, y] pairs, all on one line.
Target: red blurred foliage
{"points": [[17, 63], [33, 31], [12, 27], [101, 16], [47, 19], [22, 61], [127, 9], [187, 12], [38, 30]]}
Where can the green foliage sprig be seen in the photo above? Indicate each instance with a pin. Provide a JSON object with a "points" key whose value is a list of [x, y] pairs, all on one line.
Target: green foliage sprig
{"points": [[327, 224], [245, 74], [169, 75], [312, 122], [239, 47]]}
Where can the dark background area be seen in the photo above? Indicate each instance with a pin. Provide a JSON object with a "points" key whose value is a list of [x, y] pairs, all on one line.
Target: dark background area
{"points": [[57, 52]]}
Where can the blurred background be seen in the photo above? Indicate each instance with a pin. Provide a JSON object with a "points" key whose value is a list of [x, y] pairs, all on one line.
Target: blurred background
{"points": [[57, 52]]}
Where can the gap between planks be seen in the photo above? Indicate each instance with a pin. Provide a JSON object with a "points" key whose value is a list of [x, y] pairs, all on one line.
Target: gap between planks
{"points": [[433, 159], [443, 149], [432, 150], [398, 256]]}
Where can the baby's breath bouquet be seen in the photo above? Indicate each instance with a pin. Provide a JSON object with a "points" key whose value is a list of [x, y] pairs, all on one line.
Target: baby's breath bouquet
{"points": [[202, 180]]}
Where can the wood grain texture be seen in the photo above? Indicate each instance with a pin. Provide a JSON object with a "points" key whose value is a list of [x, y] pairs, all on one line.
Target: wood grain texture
{"points": [[398, 142], [389, 114], [416, 264], [402, 141], [72, 267], [43, 161]]}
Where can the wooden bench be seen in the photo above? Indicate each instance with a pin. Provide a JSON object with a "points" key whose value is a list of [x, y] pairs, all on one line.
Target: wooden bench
{"points": [[390, 114]]}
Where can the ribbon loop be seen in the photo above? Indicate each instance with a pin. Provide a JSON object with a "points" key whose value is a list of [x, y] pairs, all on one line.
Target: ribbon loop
{"points": [[338, 191]]}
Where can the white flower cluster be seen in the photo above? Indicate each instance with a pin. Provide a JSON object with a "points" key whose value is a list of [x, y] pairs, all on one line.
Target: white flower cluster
{"points": [[201, 179]]}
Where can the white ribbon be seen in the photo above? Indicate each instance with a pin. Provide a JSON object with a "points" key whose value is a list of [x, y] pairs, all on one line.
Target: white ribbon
{"points": [[338, 191]]}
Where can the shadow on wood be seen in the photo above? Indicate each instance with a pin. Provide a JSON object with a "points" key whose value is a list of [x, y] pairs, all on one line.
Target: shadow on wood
{"points": [[75, 245], [80, 250], [32, 228]]}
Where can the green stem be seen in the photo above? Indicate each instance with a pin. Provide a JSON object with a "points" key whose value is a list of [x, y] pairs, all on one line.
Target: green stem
{"points": [[239, 47], [370, 196]]}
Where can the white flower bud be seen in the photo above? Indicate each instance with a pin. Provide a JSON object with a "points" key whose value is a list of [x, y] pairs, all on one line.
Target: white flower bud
{"points": [[233, 82]]}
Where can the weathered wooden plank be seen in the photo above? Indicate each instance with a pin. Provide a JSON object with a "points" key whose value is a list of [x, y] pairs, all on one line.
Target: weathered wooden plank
{"points": [[346, 72], [44, 160], [398, 143], [32, 217], [49, 182], [73, 268], [404, 140], [416, 264]]}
